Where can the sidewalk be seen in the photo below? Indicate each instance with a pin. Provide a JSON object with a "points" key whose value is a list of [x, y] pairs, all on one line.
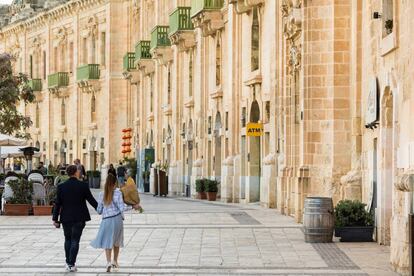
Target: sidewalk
{"points": [[186, 237]]}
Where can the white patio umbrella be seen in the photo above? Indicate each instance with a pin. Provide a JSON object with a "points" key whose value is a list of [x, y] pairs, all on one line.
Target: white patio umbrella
{"points": [[7, 141]]}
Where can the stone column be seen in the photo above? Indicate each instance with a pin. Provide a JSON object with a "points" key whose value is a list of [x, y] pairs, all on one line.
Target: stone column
{"points": [[227, 179], [268, 189]]}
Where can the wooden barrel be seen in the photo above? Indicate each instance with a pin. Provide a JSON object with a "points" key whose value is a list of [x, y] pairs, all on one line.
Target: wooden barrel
{"points": [[318, 219]]}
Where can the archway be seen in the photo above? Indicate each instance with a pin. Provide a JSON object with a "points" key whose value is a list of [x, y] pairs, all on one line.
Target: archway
{"points": [[254, 162], [217, 147]]}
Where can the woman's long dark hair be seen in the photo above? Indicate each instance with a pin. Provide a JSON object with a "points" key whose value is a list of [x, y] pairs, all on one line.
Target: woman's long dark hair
{"points": [[109, 189]]}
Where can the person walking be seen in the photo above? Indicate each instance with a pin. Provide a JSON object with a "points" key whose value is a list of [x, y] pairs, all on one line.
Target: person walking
{"points": [[120, 171], [81, 168], [111, 230], [112, 170], [71, 211]]}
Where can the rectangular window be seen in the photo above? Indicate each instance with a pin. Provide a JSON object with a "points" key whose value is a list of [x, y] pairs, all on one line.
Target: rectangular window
{"points": [[55, 59], [387, 17], [103, 48], [267, 143], [31, 67], [137, 95], [85, 51], [71, 57], [44, 65], [227, 121]]}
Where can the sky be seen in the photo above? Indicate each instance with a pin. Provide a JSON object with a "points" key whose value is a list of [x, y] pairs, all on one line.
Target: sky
{"points": [[5, 1]]}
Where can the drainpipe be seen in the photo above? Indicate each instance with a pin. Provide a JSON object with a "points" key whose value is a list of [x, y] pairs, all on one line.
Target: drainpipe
{"points": [[411, 234]]}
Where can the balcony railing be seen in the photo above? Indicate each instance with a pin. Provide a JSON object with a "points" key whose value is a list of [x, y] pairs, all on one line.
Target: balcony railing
{"points": [[59, 79], [180, 20], [88, 72], [142, 50], [35, 84], [128, 63], [159, 37], [198, 6]]}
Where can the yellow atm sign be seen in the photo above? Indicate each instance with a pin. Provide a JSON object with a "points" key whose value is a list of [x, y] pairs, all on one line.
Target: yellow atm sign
{"points": [[254, 129]]}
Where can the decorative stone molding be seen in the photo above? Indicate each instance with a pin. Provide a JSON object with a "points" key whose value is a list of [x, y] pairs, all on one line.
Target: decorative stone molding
{"points": [[92, 126], [39, 96], [269, 159], [217, 94], [229, 161], [59, 92], [209, 21], [189, 102], [150, 117], [303, 172], [254, 79], [405, 182], [167, 110], [243, 6], [36, 131], [133, 76], [198, 163], [146, 66], [294, 60], [60, 36], [62, 129], [89, 86], [184, 40], [163, 55]]}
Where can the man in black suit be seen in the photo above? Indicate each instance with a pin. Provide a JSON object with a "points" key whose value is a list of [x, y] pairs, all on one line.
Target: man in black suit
{"points": [[70, 205]]}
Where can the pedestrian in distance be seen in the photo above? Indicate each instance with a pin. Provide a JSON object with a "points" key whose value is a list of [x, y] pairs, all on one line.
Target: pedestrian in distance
{"points": [[110, 236], [71, 211], [120, 171], [112, 170]]}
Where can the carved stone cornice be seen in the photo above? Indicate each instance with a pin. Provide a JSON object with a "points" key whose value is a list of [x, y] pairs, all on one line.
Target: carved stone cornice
{"points": [[163, 55], [132, 75], [146, 66], [243, 6], [209, 21], [185, 40], [405, 182], [59, 92], [89, 86], [167, 110]]}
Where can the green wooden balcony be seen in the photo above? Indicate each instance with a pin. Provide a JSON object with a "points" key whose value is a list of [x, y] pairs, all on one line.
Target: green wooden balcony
{"points": [[180, 20], [198, 6], [128, 63], [159, 37], [35, 84], [59, 79], [142, 50], [87, 72]]}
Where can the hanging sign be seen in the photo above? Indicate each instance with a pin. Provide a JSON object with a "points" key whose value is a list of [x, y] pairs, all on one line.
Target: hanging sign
{"points": [[254, 129]]}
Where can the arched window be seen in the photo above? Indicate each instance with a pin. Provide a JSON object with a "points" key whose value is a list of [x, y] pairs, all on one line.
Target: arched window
{"points": [[93, 108], [63, 113], [255, 41], [37, 116], [218, 61], [169, 85], [93, 49], [190, 74], [70, 144], [44, 146]]}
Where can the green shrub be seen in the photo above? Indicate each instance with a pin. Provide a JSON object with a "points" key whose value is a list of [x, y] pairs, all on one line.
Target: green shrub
{"points": [[22, 191], [96, 173], [200, 185], [350, 213], [211, 186]]}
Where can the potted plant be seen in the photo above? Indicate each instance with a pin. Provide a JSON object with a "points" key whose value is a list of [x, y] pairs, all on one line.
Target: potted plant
{"points": [[211, 189], [353, 223], [201, 188], [20, 203], [96, 179], [46, 210]]}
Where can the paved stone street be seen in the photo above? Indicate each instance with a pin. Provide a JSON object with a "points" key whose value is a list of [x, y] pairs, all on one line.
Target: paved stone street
{"points": [[186, 237]]}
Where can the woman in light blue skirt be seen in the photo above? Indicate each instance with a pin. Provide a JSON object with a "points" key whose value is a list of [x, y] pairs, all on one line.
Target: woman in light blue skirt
{"points": [[111, 231]]}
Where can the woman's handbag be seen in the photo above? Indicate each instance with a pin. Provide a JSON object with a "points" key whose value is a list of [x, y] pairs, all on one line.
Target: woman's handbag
{"points": [[130, 194]]}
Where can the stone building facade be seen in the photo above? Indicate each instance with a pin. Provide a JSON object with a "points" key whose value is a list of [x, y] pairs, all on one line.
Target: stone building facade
{"points": [[327, 81]]}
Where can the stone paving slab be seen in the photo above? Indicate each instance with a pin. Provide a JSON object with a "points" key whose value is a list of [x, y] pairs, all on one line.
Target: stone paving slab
{"points": [[183, 237]]}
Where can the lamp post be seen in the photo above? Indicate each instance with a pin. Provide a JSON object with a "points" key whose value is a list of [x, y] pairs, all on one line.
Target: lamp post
{"points": [[28, 154]]}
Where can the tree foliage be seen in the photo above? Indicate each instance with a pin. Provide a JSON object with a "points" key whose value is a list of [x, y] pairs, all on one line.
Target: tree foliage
{"points": [[14, 89]]}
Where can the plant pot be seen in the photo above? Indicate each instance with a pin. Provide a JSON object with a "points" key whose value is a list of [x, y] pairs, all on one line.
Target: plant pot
{"points": [[337, 232], [17, 209], [42, 210], [211, 196], [201, 195], [356, 234], [96, 182]]}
